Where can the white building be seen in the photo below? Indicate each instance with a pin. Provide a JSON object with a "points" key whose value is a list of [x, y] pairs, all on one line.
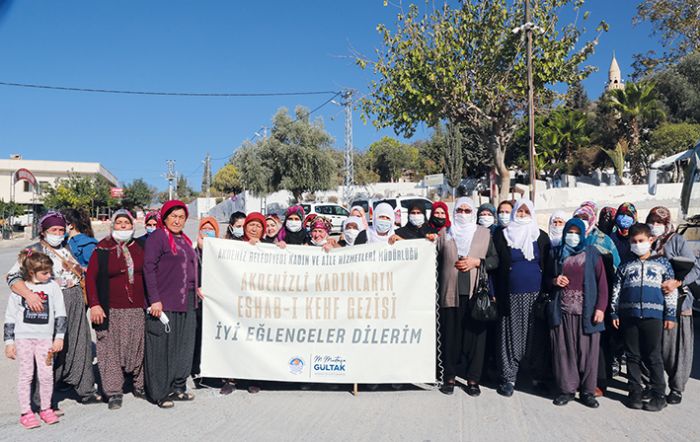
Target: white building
{"points": [[46, 173]]}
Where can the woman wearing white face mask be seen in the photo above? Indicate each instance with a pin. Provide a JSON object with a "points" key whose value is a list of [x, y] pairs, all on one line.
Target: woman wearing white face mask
{"points": [[116, 298], [556, 227], [382, 226], [678, 342], [292, 231], [522, 251], [352, 227], [462, 251], [417, 226], [73, 365], [505, 208]]}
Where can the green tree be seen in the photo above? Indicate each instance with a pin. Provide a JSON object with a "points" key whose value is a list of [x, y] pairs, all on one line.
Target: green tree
{"points": [[678, 87], [466, 65], [138, 194], [454, 157], [183, 190], [678, 24], [672, 138], [390, 158], [80, 192], [297, 157], [227, 180], [638, 108], [617, 157], [576, 97]]}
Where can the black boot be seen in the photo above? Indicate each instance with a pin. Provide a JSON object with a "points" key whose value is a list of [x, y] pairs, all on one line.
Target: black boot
{"points": [[563, 399], [634, 400], [674, 397], [115, 402], [589, 400], [657, 403]]}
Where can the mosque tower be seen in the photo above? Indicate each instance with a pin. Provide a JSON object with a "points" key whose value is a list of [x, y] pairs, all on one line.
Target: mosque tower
{"points": [[614, 76]]}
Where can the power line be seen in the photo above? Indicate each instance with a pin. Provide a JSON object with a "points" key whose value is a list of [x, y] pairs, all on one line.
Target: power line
{"points": [[165, 93]]}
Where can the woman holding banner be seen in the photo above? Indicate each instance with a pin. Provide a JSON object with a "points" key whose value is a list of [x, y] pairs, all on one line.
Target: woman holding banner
{"points": [[170, 268], [292, 231], [464, 250], [522, 251], [382, 226]]}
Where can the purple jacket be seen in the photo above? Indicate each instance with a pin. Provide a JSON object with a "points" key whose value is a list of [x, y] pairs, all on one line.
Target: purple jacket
{"points": [[169, 277]]}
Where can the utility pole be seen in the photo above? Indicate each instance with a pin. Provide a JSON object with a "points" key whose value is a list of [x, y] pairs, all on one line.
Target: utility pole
{"points": [[349, 167], [170, 175], [207, 175], [530, 102]]}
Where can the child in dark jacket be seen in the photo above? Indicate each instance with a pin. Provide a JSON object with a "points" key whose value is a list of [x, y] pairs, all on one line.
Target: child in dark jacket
{"points": [[642, 311]]}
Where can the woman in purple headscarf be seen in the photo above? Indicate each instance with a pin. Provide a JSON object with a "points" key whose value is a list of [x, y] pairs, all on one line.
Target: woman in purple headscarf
{"points": [[293, 231], [72, 366]]}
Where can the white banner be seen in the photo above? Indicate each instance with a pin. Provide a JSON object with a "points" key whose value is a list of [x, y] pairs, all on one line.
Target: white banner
{"points": [[363, 314]]}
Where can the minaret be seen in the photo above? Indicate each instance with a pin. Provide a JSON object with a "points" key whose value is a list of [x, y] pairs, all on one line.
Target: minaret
{"points": [[614, 76]]}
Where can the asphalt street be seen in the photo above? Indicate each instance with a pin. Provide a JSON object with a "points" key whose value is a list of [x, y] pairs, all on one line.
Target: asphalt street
{"points": [[408, 415]]}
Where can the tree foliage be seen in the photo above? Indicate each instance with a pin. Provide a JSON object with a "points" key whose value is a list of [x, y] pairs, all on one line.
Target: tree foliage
{"points": [[80, 192], [672, 138], [297, 157], [465, 64], [678, 24], [183, 191], [678, 87], [454, 157], [227, 180], [138, 194], [390, 158]]}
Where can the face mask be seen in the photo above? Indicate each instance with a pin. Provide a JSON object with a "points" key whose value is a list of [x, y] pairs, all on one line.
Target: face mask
{"points": [[523, 221], [439, 222], [572, 239], [462, 219], [54, 240], [504, 218], [416, 219], [556, 231], [640, 248], [122, 235], [624, 221], [294, 226], [320, 242], [237, 232], [657, 229], [383, 225], [150, 229], [351, 235], [486, 220], [208, 233]]}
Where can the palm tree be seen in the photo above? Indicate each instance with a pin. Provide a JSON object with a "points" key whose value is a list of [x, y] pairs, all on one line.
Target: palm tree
{"points": [[638, 106]]}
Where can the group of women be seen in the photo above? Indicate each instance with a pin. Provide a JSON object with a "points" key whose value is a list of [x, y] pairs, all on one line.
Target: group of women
{"points": [[144, 295]]}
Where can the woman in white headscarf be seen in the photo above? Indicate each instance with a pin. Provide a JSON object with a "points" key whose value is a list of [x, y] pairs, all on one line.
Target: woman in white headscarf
{"points": [[463, 250], [382, 226], [522, 252], [352, 227], [556, 227]]}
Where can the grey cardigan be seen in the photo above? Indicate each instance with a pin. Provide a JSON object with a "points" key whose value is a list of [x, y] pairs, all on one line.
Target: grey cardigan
{"points": [[448, 276], [678, 246]]}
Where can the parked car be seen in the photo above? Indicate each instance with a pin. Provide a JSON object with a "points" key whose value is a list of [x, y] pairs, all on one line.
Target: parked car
{"points": [[400, 205], [334, 212]]}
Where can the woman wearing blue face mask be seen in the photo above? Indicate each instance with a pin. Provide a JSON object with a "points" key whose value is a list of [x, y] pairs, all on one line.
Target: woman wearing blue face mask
{"points": [[522, 251], [505, 208], [235, 226], [577, 280], [150, 223], [625, 217]]}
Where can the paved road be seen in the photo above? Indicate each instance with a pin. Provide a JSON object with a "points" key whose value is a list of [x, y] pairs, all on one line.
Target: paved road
{"points": [[415, 415]]}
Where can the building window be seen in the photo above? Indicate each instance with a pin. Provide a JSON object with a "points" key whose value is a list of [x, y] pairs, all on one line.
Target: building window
{"points": [[27, 186]]}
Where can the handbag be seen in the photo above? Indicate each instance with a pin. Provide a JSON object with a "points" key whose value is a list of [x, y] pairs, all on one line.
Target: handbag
{"points": [[484, 308], [74, 268], [542, 305]]}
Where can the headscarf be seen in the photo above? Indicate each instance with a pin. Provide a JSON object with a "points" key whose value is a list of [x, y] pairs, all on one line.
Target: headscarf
{"points": [[558, 214], [349, 220], [276, 220], [292, 237], [321, 222], [152, 215], [486, 206], [606, 220], [382, 209], [592, 204], [431, 223], [625, 210], [463, 234], [52, 219], [660, 214], [589, 214], [363, 215], [306, 224], [212, 221], [123, 247], [522, 236], [253, 216], [567, 250], [168, 207]]}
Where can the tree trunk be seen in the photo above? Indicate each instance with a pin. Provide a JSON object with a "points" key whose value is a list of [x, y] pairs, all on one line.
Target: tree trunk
{"points": [[499, 162]]}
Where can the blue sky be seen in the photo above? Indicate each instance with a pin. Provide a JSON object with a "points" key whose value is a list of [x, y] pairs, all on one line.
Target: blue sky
{"points": [[201, 46]]}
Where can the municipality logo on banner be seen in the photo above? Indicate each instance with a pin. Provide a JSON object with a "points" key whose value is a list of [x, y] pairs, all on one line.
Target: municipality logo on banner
{"points": [[296, 365], [325, 365]]}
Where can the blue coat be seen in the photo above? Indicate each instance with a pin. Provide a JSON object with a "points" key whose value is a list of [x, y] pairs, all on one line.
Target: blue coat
{"points": [[82, 247]]}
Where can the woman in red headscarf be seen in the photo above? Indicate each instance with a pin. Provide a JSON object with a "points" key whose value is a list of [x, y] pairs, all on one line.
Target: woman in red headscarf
{"points": [[170, 269]]}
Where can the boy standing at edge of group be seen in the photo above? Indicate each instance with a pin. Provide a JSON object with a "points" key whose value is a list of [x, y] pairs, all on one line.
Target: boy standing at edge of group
{"points": [[642, 311]]}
